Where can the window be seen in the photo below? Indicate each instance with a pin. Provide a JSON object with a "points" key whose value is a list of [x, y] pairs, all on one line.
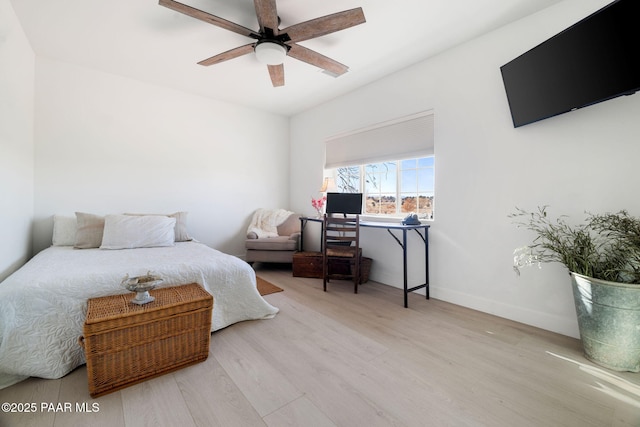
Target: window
{"points": [[391, 163], [393, 188]]}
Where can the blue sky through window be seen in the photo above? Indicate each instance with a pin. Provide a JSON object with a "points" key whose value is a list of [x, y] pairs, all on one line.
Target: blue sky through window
{"points": [[393, 187]]}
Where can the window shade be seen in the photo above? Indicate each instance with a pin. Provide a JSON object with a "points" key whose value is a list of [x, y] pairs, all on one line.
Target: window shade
{"points": [[404, 138]]}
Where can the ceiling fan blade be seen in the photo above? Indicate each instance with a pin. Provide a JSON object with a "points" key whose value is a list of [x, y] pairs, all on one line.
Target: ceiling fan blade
{"points": [[314, 58], [276, 72], [267, 15], [211, 19], [325, 25], [230, 54]]}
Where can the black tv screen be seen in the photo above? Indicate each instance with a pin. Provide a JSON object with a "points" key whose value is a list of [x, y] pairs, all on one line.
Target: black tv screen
{"points": [[345, 203], [592, 61]]}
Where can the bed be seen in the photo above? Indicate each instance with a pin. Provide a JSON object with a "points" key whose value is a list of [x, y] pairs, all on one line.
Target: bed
{"points": [[43, 304]]}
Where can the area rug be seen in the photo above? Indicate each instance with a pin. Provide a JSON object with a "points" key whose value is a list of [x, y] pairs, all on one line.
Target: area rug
{"points": [[266, 288]]}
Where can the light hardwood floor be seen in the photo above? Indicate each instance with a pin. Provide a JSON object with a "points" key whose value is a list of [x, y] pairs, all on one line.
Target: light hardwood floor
{"points": [[339, 359]]}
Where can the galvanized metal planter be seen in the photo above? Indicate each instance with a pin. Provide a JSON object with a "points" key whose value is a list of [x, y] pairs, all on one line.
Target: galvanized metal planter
{"points": [[609, 322]]}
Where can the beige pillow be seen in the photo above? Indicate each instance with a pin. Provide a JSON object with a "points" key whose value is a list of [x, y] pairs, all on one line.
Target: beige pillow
{"points": [[181, 224], [64, 230], [289, 226], [89, 231]]}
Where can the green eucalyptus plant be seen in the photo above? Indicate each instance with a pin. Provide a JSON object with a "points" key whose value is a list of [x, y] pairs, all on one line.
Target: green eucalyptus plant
{"points": [[604, 246]]}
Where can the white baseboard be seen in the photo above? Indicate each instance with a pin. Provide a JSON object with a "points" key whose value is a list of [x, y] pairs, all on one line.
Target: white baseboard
{"points": [[557, 324]]}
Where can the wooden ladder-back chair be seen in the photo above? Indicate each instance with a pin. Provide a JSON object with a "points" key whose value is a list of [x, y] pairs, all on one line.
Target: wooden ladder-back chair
{"points": [[341, 252]]}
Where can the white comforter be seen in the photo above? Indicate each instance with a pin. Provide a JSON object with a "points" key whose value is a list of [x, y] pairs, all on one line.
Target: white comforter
{"points": [[43, 304]]}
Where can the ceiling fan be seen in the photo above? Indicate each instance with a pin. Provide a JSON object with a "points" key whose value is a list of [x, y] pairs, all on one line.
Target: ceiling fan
{"points": [[272, 44]]}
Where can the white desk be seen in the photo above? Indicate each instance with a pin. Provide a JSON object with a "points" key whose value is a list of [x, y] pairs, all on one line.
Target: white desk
{"points": [[389, 226]]}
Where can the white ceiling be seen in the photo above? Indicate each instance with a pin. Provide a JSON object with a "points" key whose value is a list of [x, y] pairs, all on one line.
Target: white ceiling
{"points": [[148, 42]]}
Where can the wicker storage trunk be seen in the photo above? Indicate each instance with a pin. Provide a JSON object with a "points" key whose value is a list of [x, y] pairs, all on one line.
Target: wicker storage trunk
{"points": [[126, 343]]}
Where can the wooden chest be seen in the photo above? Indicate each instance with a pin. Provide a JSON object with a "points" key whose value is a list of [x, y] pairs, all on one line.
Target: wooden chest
{"points": [[126, 343], [309, 264]]}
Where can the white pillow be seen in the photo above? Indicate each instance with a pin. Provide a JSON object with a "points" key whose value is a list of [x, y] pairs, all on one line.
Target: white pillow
{"points": [[128, 232], [181, 224], [64, 230]]}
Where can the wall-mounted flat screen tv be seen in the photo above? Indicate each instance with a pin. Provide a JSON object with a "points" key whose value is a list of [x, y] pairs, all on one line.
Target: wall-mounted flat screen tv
{"points": [[592, 61], [345, 203]]}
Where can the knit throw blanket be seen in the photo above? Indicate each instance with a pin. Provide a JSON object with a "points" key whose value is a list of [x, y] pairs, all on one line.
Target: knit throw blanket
{"points": [[265, 222]]}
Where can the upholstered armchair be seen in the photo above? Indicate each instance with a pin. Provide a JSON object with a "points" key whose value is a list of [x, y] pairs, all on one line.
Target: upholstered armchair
{"points": [[274, 248]]}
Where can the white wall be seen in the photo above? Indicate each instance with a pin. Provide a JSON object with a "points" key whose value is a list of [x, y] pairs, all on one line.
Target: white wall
{"points": [[109, 144], [582, 161], [16, 142]]}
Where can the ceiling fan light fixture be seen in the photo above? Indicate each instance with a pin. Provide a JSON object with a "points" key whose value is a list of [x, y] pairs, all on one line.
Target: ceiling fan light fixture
{"points": [[270, 52]]}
